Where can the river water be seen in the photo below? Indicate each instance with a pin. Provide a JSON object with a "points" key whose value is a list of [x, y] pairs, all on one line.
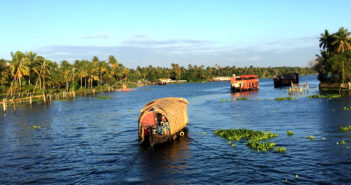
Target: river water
{"points": [[92, 141]]}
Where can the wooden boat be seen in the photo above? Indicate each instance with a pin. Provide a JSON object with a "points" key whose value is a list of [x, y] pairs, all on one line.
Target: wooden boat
{"points": [[286, 79], [244, 83], [162, 120]]}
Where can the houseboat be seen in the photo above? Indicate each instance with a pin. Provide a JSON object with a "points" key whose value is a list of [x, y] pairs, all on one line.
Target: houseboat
{"points": [[244, 83], [162, 120], [286, 79]]}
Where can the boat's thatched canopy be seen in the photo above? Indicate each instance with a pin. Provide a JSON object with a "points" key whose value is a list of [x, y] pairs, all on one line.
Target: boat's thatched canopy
{"points": [[174, 109]]}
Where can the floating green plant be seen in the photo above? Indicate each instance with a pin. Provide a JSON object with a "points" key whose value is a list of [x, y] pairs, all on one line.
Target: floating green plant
{"points": [[323, 138], [280, 149], [229, 142], [204, 133], [242, 98], [103, 97], [310, 137], [223, 100], [260, 146], [267, 99], [290, 132], [347, 108], [36, 127], [233, 145], [129, 111], [253, 137], [342, 142], [285, 98], [345, 129], [317, 96], [147, 89], [330, 96]]}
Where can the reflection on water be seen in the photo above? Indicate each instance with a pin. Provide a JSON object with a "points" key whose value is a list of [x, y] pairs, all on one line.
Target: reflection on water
{"points": [[244, 93], [91, 141]]}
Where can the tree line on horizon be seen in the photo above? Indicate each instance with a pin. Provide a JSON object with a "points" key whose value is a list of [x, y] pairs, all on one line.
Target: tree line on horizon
{"points": [[30, 71], [333, 64]]}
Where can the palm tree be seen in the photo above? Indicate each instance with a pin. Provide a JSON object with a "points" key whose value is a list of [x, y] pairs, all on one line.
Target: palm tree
{"points": [[4, 72], [66, 70], [114, 64], [341, 40], [325, 40], [31, 57], [18, 67]]}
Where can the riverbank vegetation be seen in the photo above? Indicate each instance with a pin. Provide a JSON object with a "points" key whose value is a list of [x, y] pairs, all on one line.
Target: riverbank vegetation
{"points": [[29, 72], [333, 64]]}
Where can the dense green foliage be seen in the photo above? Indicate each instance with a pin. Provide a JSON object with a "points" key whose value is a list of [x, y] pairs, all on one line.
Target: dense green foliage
{"points": [[30, 71], [334, 62]]}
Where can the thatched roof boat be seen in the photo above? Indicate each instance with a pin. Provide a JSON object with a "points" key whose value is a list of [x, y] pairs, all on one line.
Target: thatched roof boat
{"points": [[162, 120]]}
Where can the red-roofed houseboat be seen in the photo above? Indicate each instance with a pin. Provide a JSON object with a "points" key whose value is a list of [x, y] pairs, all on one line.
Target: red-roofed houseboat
{"points": [[244, 83]]}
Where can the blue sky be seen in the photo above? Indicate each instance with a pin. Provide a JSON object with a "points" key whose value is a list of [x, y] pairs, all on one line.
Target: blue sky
{"points": [[144, 32]]}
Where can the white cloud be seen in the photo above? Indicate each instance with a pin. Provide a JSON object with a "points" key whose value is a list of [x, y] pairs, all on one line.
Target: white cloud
{"points": [[101, 36], [144, 50]]}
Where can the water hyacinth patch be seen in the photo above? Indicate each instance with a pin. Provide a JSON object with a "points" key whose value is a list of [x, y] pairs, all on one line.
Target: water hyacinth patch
{"points": [[285, 98], [223, 100], [347, 108], [103, 97], [253, 137], [280, 149], [260, 146], [342, 142], [310, 137], [330, 96], [290, 132], [317, 96], [243, 98], [345, 129], [36, 127]]}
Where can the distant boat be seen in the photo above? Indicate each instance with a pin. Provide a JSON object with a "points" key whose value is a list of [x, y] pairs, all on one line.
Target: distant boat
{"points": [[162, 81], [244, 83], [286, 79], [163, 120]]}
